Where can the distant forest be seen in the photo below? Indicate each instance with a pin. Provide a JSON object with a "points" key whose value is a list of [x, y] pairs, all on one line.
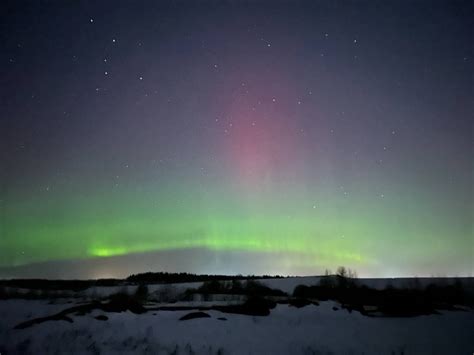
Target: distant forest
{"points": [[166, 277]]}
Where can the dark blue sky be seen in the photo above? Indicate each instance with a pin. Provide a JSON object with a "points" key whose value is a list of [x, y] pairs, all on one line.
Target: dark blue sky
{"points": [[315, 133]]}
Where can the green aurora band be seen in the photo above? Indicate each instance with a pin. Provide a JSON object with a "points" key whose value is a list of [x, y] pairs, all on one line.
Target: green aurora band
{"points": [[316, 235]]}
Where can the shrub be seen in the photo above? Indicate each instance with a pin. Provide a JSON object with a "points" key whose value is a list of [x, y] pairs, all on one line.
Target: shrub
{"points": [[141, 293], [121, 302], [250, 288]]}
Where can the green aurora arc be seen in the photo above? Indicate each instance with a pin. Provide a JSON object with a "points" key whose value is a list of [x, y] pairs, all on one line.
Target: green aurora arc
{"points": [[315, 235]]}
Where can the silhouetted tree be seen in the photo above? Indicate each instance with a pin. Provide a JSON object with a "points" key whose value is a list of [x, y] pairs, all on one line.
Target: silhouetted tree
{"points": [[341, 271]]}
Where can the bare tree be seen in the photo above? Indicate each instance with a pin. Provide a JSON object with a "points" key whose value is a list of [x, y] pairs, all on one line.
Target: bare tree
{"points": [[352, 274]]}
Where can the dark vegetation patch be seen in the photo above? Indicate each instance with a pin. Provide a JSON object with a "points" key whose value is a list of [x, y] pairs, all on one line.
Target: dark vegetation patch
{"points": [[254, 306], [102, 317], [141, 293], [194, 315], [222, 318], [122, 302], [235, 287], [391, 302]]}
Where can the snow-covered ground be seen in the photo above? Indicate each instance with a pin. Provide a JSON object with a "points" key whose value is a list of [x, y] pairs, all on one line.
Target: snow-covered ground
{"points": [[287, 330]]}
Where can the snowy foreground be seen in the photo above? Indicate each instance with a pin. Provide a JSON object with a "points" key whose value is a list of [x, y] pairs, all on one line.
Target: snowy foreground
{"points": [[287, 330]]}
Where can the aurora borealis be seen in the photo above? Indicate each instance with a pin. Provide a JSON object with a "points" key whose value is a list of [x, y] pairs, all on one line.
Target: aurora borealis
{"points": [[237, 137]]}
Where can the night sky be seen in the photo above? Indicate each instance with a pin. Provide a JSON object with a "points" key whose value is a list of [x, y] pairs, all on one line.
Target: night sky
{"points": [[236, 137]]}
